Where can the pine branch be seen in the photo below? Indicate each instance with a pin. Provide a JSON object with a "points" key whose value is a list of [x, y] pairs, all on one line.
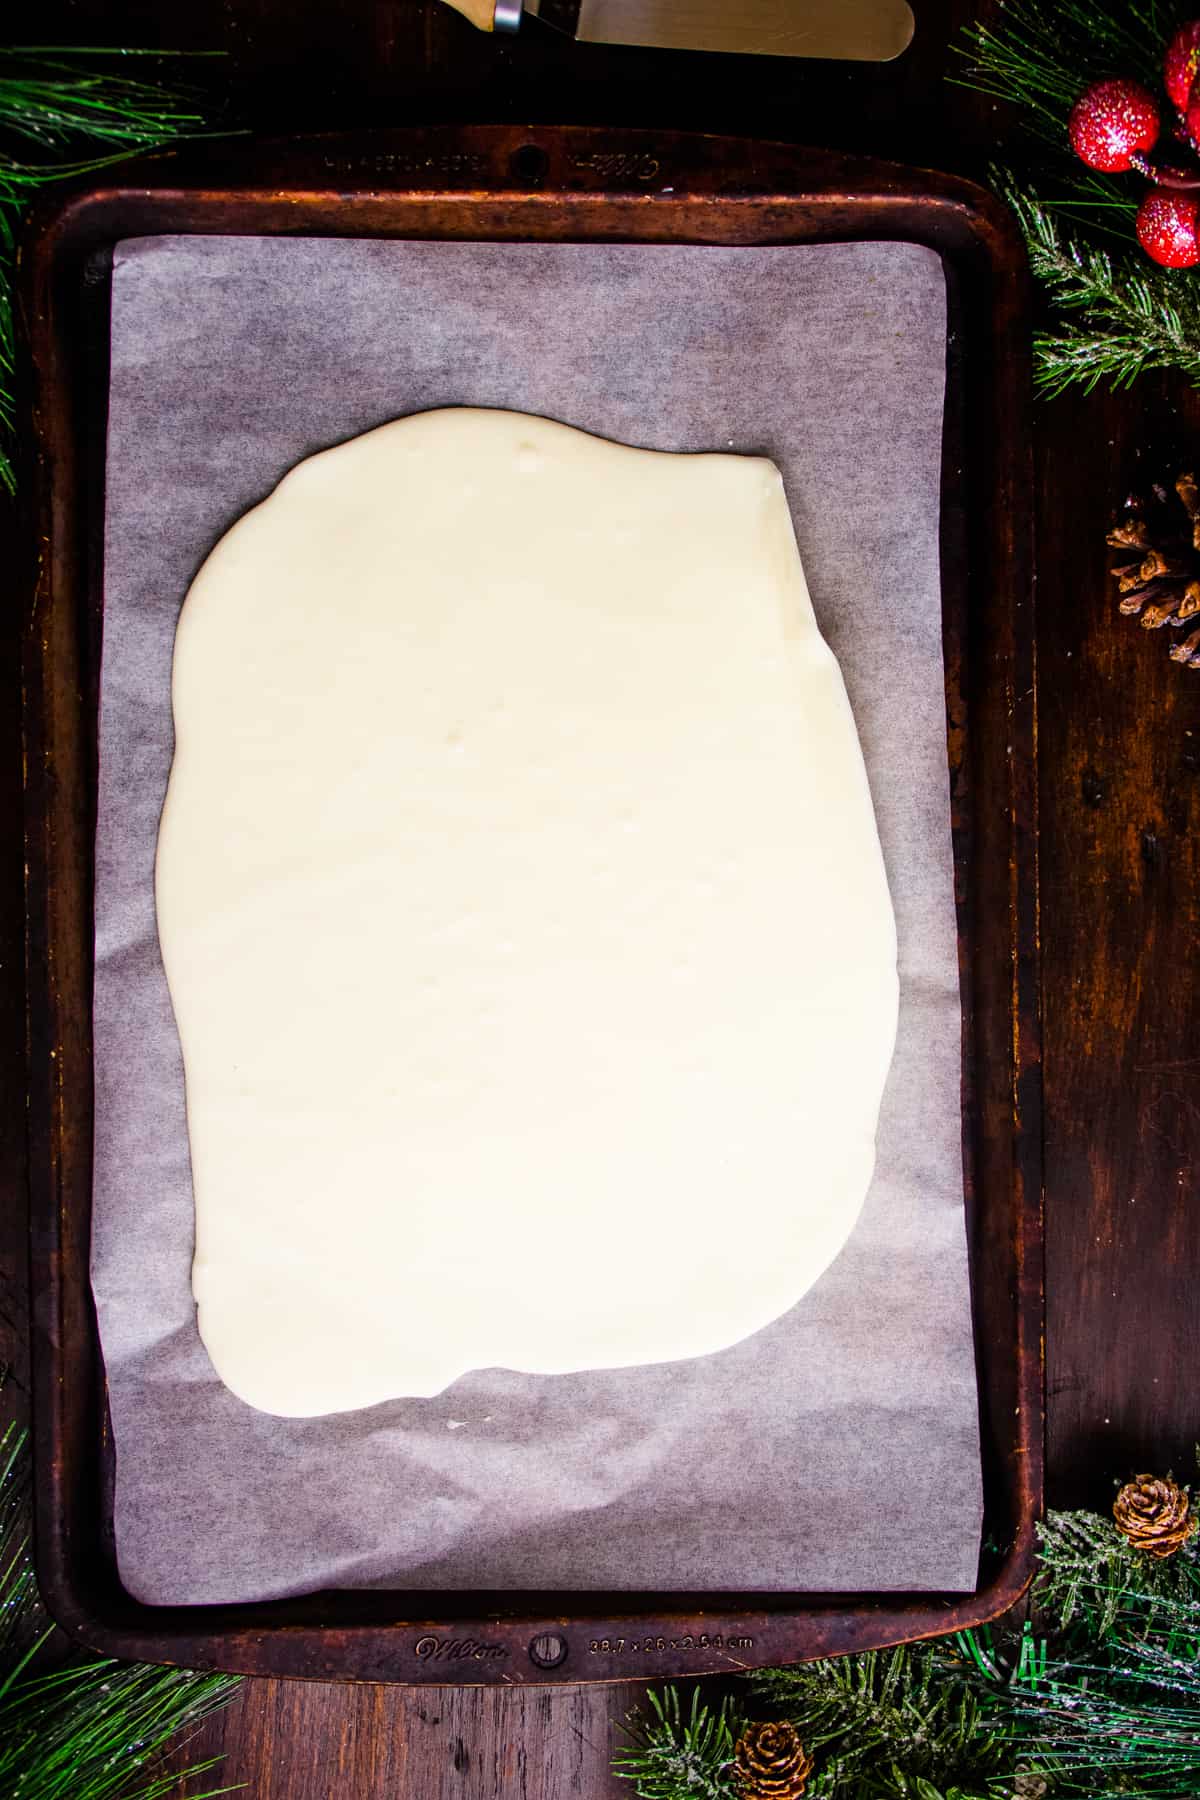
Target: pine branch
{"points": [[52, 98], [1091, 1580], [95, 1732], [1137, 316], [92, 1730], [987, 1715], [1114, 1708], [1108, 1706], [1040, 55], [64, 103], [880, 1722], [22, 1622], [673, 1755], [1121, 1719]]}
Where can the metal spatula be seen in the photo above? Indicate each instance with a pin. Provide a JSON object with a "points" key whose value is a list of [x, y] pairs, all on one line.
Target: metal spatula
{"points": [[849, 30]]}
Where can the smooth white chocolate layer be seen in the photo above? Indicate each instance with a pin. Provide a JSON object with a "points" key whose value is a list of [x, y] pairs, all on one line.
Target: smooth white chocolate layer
{"points": [[523, 912]]}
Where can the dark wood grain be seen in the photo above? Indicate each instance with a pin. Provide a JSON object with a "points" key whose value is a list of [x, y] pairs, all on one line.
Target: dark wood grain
{"points": [[1119, 916], [14, 1335], [312, 1742], [1120, 748]]}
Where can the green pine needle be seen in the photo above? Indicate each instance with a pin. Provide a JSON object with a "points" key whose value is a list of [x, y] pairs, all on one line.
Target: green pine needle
{"points": [[677, 1755], [1135, 316], [885, 1721], [17, 1592], [54, 97], [1126, 315], [95, 1732], [90, 1730], [65, 112], [1092, 1580], [1115, 1709], [1095, 1695], [1041, 54]]}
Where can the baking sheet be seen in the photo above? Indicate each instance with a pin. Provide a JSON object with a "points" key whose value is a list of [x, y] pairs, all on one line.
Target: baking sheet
{"points": [[838, 1448]]}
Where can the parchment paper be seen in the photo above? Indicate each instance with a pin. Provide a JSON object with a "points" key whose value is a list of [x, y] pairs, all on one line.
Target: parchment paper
{"points": [[837, 1449]]}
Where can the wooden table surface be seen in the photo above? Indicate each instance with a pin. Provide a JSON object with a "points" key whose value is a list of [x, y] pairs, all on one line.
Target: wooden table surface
{"points": [[1120, 833]]}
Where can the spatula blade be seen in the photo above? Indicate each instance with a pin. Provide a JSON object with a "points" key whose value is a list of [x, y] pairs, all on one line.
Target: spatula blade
{"points": [[848, 30]]}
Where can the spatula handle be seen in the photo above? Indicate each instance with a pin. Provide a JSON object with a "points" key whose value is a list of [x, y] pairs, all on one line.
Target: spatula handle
{"points": [[490, 15]]}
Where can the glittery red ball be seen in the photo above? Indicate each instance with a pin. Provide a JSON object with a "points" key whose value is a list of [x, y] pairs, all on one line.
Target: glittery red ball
{"points": [[1182, 64], [1168, 228], [1111, 122]]}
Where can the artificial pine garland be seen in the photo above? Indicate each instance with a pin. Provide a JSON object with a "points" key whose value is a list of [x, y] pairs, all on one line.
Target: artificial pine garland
{"points": [[1094, 1691], [1133, 316], [86, 1729], [1115, 312], [673, 1753], [63, 112]]}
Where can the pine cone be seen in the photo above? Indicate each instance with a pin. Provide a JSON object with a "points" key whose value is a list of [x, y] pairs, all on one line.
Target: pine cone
{"points": [[1160, 582], [1154, 1513], [771, 1763]]}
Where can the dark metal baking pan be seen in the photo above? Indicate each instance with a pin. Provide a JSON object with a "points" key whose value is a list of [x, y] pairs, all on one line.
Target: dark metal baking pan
{"points": [[577, 185]]}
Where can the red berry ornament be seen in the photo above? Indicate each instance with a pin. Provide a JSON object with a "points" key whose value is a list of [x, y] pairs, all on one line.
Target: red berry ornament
{"points": [[1113, 125], [1168, 228], [1182, 64]]}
